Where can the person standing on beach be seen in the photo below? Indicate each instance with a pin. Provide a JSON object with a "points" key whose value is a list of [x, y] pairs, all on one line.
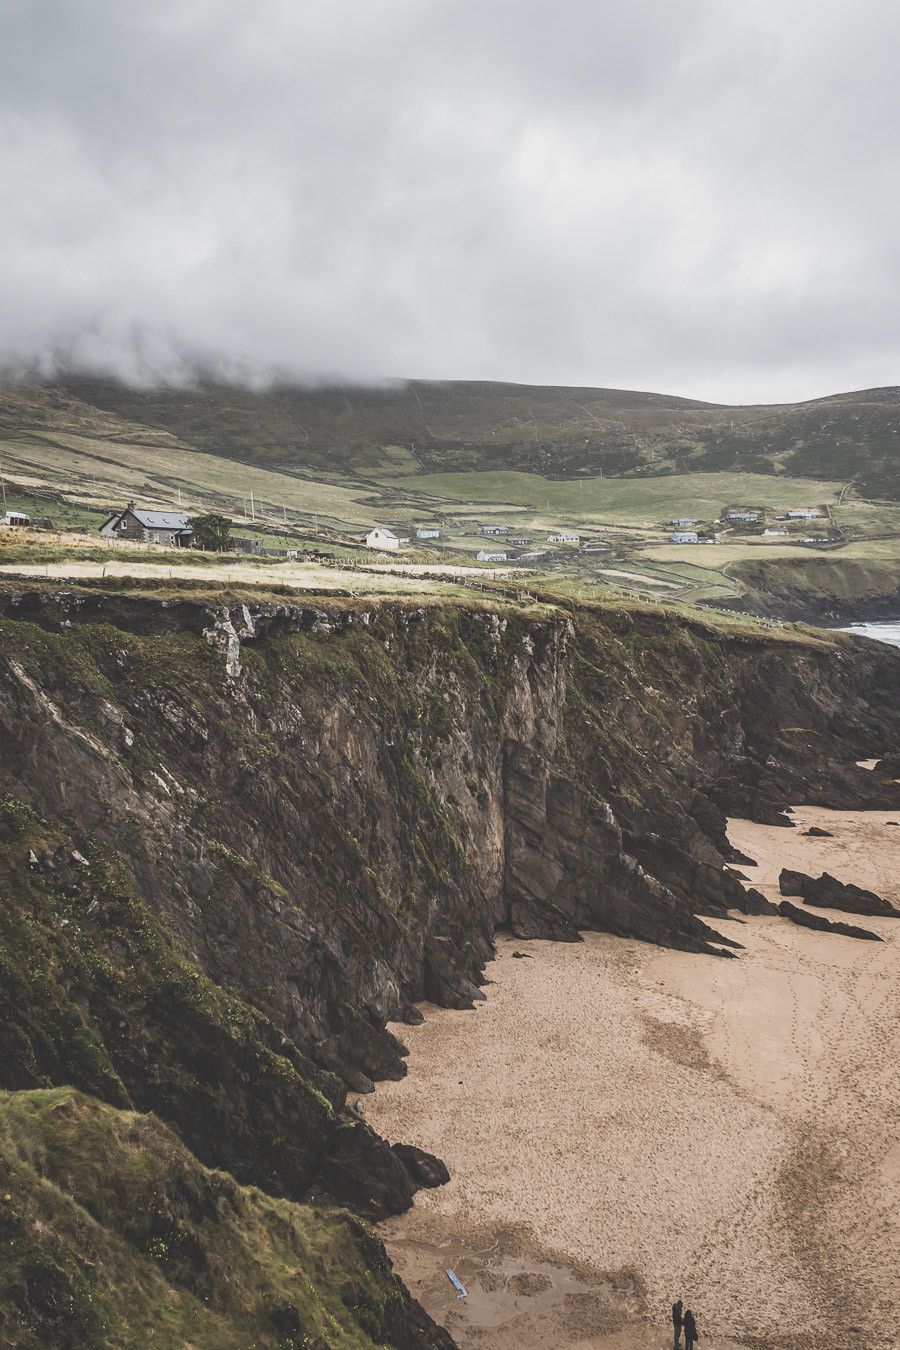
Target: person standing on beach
{"points": [[676, 1321], [691, 1334]]}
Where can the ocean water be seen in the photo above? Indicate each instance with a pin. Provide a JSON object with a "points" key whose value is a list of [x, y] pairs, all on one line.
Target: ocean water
{"points": [[882, 632]]}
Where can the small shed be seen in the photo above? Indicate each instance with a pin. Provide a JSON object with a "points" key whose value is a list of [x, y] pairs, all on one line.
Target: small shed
{"points": [[16, 518], [428, 532]]}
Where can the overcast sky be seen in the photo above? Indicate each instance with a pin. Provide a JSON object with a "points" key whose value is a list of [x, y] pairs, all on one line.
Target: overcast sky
{"points": [[694, 196]]}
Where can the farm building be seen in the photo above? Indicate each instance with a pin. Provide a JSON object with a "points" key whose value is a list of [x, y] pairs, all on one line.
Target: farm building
{"points": [[564, 537], [16, 518], [490, 555], [685, 537], [493, 529], [382, 538], [683, 522], [428, 532], [804, 513], [519, 543], [171, 528], [775, 531], [749, 517]]}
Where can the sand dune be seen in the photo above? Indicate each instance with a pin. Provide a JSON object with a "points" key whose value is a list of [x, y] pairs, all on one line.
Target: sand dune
{"points": [[624, 1123]]}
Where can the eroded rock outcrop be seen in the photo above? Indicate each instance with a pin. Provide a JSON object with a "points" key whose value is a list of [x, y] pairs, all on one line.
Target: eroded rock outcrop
{"points": [[830, 893], [823, 925]]}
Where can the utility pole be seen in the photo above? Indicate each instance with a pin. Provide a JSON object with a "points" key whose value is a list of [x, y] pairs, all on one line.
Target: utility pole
{"points": [[252, 507]]}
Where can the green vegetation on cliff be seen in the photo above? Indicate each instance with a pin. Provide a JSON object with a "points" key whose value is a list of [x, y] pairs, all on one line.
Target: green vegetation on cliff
{"points": [[112, 1234]]}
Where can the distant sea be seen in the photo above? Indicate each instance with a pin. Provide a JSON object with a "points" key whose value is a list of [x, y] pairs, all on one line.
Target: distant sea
{"points": [[882, 632]]}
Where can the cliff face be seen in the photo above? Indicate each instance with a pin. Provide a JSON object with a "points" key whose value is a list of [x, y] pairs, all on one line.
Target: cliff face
{"points": [[239, 840], [829, 589]]}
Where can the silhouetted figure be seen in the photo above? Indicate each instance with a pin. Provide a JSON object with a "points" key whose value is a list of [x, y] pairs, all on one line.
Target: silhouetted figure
{"points": [[691, 1334], [676, 1321]]}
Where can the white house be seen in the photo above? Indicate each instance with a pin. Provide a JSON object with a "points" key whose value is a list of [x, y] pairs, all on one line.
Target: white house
{"points": [[685, 537], [382, 538], [776, 531], [804, 513], [683, 522], [428, 532], [490, 555], [493, 529], [564, 537]]}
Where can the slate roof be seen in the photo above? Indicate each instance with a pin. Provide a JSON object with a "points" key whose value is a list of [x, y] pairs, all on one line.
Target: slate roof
{"points": [[161, 520]]}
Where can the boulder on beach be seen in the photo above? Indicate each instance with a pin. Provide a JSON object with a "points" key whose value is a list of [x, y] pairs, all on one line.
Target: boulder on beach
{"points": [[424, 1168], [816, 833], [830, 893]]}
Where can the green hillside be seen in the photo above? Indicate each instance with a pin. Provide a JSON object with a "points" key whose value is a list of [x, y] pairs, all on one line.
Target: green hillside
{"points": [[418, 426], [114, 1235]]}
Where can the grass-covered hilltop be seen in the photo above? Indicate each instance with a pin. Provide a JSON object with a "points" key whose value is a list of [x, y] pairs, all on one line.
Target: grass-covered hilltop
{"points": [[556, 431], [240, 832], [787, 511]]}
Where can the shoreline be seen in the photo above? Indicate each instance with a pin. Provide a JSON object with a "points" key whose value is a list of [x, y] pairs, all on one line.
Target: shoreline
{"points": [[624, 1123]]}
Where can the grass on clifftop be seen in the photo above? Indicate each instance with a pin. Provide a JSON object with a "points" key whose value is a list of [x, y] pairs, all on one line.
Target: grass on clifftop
{"points": [[114, 1235]]}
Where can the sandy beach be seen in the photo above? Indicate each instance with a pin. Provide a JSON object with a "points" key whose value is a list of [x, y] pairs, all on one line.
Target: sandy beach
{"points": [[624, 1124]]}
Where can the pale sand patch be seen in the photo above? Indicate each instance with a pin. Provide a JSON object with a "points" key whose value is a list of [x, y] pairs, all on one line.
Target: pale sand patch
{"points": [[441, 570], [299, 575], [655, 1123]]}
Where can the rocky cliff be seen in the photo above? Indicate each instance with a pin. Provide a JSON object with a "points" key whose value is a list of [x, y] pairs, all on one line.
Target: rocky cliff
{"points": [[239, 838]]}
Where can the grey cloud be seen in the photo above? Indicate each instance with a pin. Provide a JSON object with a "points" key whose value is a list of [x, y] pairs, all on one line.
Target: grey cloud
{"points": [[677, 194]]}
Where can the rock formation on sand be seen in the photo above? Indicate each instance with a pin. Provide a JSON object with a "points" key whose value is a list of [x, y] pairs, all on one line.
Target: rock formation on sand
{"points": [[823, 925], [238, 840], [829, 893]]}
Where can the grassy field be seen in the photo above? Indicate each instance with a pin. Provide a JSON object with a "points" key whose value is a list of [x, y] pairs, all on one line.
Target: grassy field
{"points": [[103, 470], [633, 501], [296, 576], [721, 555]]}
